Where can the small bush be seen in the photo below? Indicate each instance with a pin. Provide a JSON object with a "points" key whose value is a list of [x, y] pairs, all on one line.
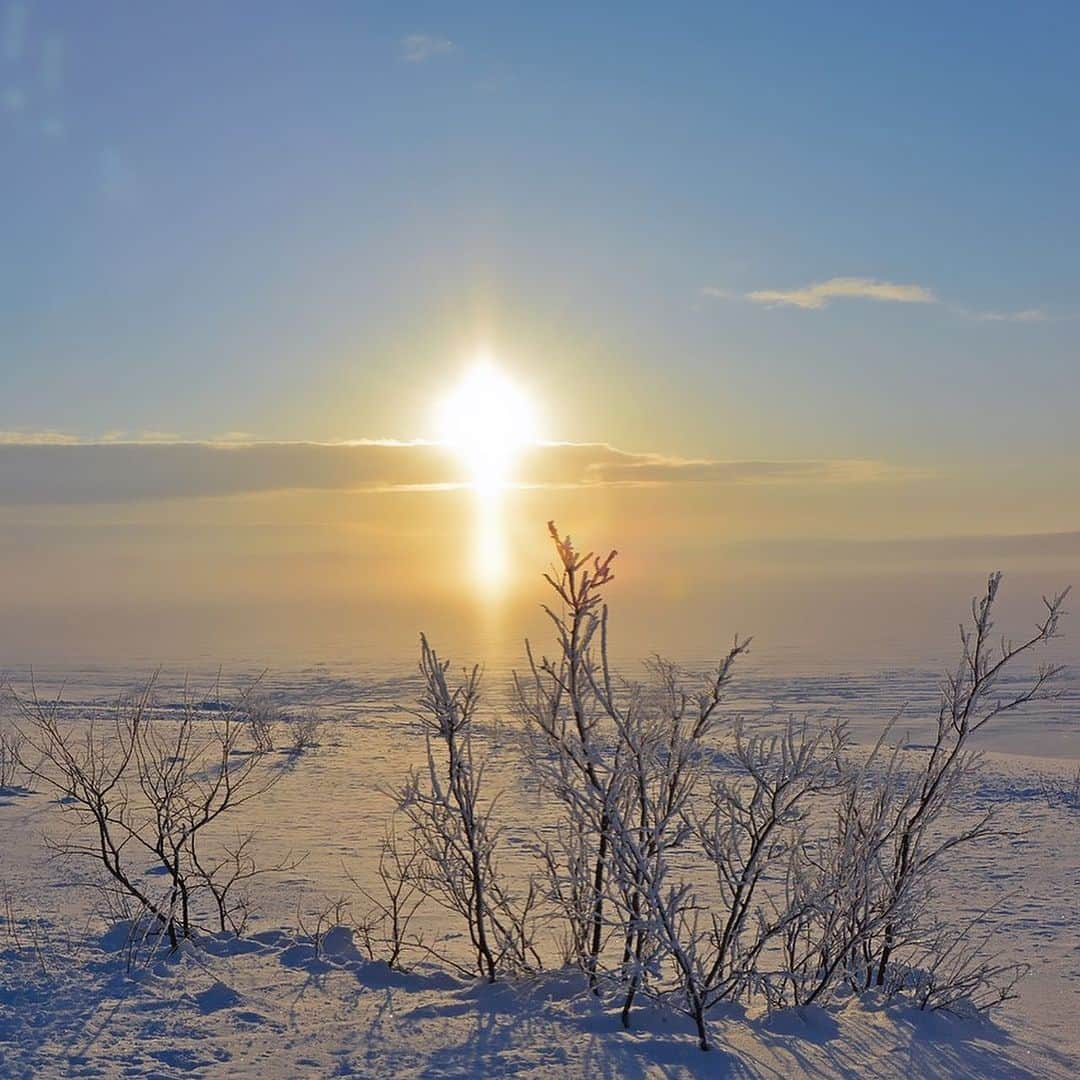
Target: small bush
{"points": [[263, 718], [304, 731]]}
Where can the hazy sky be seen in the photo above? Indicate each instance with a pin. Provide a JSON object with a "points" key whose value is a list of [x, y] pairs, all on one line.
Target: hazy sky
{"points": [[829, 247]]}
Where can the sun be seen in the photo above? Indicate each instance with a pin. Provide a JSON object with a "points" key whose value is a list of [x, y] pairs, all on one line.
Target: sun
{"points": [[488, 419]]}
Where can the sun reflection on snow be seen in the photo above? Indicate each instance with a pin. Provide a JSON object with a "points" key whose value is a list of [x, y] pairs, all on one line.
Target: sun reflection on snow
{"points": [[489, 546]]}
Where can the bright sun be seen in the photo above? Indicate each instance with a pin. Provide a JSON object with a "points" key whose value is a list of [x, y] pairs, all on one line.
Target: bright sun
{"points": [[488, 419]]}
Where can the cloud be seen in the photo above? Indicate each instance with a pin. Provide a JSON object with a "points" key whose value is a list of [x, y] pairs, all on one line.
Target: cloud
{"points": [[1028, 315], [416, 48], [48, 470], [140, 437], [606, 465], [37, 438], [819, 295]]}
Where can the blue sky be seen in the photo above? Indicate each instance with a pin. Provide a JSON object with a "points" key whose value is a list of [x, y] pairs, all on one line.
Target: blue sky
{"points": [[295, 220]]}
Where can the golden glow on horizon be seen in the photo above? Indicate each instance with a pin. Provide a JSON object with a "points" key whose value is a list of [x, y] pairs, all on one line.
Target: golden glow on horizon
{"points": [[488, 420]]}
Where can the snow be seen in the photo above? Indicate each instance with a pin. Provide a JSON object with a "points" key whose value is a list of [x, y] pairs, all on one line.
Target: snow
{"points": [[256, 1014], [275, 1004]]}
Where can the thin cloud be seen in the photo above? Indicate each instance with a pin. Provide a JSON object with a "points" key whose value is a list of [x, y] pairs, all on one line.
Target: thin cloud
{"points": [[38, 438], [416, 48], [610, 466], [57, 472], [820, 295], [149, 436], [1027, 315]]}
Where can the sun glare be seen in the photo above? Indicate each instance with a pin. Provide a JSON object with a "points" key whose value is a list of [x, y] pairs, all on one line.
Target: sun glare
{"points": [[488, 420]]}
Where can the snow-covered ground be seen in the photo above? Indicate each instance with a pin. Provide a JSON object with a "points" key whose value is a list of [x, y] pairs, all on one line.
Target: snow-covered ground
{"points": [[269, 1006]]}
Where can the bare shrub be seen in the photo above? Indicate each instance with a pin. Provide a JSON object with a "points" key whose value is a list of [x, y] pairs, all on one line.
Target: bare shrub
{"points": [[269, 722], [304, 731], [871, 917], [1061, 791], [453, 829], [825, 861], [576, 761], [147, 788], [967, 705], [750, 828], [263, 718], [953, 969], [11, 746], [900, 834], [226, 875], [627, 762], [401, 873], [317, 922]]}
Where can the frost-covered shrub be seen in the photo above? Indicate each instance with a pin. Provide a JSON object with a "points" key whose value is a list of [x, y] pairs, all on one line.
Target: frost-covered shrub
{"points": [[304, 731], [263, 717], [696, 862], [452, 826]]}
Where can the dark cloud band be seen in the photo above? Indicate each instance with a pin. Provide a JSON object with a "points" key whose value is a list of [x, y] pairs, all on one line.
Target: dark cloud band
{"points": [[81, 473]]}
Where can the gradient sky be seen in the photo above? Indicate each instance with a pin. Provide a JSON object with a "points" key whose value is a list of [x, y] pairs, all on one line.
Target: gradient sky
{"points": [[267, 217], [767, 233]]}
